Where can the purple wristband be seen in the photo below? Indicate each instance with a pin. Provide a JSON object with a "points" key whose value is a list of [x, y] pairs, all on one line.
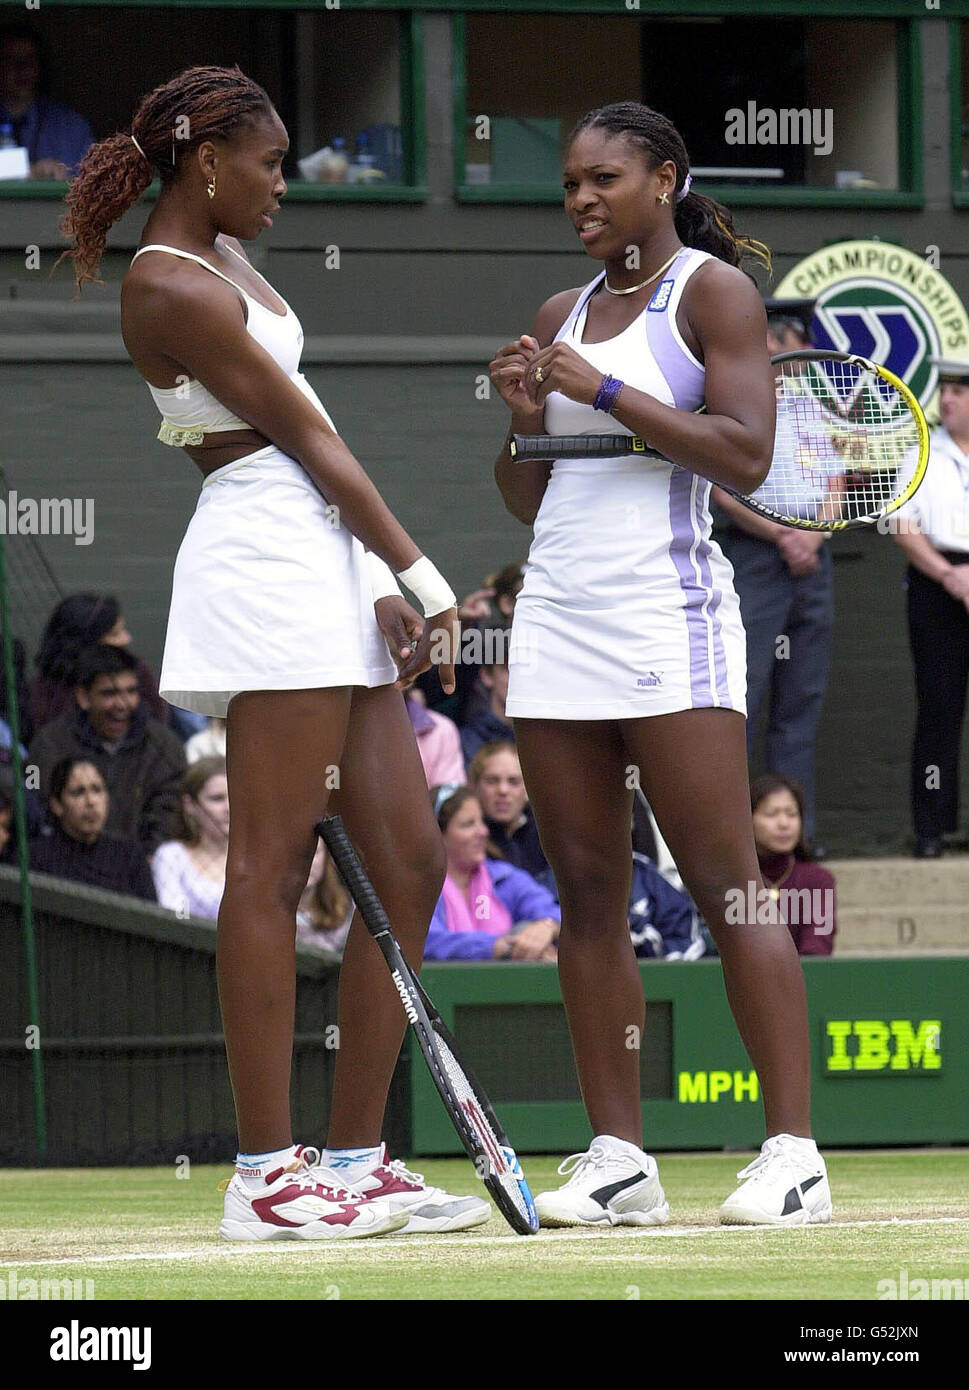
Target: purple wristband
{"points": [[607, 394]]}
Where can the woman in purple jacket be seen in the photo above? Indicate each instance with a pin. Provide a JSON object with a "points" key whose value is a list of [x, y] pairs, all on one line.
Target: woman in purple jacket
{"points": [[488, 910], [803, 890]]}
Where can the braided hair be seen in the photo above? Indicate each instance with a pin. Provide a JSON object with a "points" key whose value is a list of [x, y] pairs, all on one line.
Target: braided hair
{"points": [[700, 221], [202, 103]]}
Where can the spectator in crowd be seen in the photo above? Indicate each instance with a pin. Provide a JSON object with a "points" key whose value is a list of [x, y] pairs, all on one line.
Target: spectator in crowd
{"points": [[802, 888], [495, 776], [484, 614], [438, 741], [76, 623], [933, 531], [34, 812], [189, 869], [56, 138], [8, 845], [501, 589], [140, 760], [325, 909], [663, 922], [783, 579], [23, 695], [75, 845], [208, 742], [488, 910], [488, 722], [33, 806]]}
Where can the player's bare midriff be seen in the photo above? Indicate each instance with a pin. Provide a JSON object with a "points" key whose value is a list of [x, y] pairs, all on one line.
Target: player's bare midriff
{"points": [[226, 446]]}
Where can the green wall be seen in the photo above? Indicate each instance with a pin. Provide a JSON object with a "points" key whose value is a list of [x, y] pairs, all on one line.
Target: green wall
{"points": [[874, 1079], [398, 340]]}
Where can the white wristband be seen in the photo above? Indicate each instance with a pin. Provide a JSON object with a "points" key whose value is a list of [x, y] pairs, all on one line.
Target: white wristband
{"points": [[429, 586], [382, 581]]}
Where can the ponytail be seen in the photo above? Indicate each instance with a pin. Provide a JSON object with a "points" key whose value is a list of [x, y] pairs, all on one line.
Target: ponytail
{"points": [[111, 178], [706, 224]]}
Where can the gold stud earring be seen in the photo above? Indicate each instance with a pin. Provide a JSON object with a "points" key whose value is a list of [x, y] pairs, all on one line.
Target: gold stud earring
{"points": [[663, 198], [210, 187]]}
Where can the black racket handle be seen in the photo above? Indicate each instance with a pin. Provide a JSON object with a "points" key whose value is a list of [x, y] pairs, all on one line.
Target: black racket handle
{"points": [[333, 834], [525, 447]]}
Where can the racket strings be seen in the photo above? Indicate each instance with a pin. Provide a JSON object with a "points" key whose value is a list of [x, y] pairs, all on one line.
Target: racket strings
{"points": [[843, 442], [502, 1165]]}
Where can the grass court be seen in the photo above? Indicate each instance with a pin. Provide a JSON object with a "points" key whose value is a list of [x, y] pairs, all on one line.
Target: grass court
{"points": [[144, 1233]]}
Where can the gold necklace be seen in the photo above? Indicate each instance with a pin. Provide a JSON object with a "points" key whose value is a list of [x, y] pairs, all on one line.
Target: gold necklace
{"points": [[774, 885], [634, 288]]}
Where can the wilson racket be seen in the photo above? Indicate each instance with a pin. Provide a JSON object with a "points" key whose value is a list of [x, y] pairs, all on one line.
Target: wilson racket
{"points": [[851, 444], [479, 1130]]}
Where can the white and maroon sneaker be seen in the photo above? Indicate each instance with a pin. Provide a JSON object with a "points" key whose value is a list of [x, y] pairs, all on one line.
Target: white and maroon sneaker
{"points": [[426, 1208], [303, 1202]]}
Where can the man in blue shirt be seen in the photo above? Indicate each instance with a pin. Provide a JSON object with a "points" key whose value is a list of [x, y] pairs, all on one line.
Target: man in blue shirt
{"points": [[785, 586], [56, 138]]}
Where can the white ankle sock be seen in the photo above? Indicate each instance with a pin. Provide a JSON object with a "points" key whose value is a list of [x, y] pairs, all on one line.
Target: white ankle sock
{"points": [[252, 1168], [351, 1164]]}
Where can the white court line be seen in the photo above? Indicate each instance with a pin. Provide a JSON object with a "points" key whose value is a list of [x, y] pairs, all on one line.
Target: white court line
{"points": [[415, 1242]]}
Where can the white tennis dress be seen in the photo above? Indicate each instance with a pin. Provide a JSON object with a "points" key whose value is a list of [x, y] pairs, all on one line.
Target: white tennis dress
{"points": [[628, 607], [270, 590]]}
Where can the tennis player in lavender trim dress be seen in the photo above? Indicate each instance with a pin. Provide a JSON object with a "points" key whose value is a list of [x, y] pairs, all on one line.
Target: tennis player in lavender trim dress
{"points": [[627, 658]]}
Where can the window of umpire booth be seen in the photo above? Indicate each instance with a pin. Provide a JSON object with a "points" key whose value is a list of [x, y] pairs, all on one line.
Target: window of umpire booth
{"points": [[794, 108], [350, 72], [959, 103]]}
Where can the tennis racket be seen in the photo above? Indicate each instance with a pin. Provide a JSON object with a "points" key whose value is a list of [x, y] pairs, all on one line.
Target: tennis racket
{"points": [[851, 445], [479, 1130]]}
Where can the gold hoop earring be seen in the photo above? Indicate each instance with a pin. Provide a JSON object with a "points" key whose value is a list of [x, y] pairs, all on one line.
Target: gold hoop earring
{"points": [[210, 187], [663, 198]]}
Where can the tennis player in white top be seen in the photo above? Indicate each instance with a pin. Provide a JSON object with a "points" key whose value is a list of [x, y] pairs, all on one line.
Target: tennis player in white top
{"points": [[275, 625], [627, 655]]}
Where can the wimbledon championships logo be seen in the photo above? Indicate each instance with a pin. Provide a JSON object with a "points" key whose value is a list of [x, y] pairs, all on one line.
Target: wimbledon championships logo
{"points": [[885, 303]]}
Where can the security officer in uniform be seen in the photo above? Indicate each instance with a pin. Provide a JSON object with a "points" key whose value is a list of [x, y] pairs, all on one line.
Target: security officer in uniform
{"points": [[783, 579], [933, 531]]}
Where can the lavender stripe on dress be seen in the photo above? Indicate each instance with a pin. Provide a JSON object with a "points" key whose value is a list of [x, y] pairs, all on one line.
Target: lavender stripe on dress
{"points": [[684, 378], [701, 497], [697, 624]]}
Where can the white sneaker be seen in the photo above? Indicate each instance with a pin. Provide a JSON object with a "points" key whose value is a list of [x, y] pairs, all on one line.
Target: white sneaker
{"points": [[303, 1202], [613, 1184], [427, 1208], [786, 1185]]}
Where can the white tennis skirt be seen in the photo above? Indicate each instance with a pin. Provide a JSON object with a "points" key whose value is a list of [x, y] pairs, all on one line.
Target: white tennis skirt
{"points": [[628, 607], [270, 592]]}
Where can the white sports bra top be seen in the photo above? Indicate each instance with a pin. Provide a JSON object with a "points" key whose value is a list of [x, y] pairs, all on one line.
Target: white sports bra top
{"points": [[189, 411]]}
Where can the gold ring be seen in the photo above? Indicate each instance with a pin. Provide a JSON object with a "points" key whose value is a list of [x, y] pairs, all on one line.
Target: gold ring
{"points": [[539, 374]]}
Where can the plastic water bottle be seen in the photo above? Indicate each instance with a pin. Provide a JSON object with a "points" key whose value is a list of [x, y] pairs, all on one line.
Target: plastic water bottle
{"points": [[7, 139], [364, 168]]}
